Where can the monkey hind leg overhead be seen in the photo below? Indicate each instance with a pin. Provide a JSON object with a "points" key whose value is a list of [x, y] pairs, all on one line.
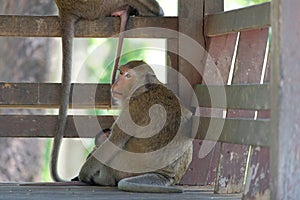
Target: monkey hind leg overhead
{"points": [[152, 183]]}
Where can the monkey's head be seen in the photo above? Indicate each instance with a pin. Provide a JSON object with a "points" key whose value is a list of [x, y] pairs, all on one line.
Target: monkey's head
{"points": [[133, 75]]}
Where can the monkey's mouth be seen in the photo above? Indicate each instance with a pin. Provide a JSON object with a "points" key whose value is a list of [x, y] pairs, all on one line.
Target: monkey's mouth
{"points": [[114, 93]]}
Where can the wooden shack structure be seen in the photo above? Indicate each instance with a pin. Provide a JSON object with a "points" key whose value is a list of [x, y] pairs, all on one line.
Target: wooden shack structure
{"points": [[256, 154]]}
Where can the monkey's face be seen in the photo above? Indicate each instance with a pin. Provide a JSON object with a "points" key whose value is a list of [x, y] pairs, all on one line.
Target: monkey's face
{"points": [[125, 83]]}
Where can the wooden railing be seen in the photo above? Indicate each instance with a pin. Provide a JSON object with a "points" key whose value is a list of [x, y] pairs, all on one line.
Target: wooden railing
{"points": [[247, 97]]}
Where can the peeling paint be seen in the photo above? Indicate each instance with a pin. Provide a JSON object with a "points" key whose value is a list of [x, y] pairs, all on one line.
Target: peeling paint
{"points": [[231, 156], [223, 182], [258, 148], [263, 196], [7, 85], [40, 23], [253, 171]]}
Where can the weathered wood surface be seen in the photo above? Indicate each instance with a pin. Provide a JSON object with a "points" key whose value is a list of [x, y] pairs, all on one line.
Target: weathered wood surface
{"points": [[202, 171], [191, 42], [14, 191], [234, 130], [220, 51], [47, 95], [48, 26], [45, 125], [247, 96], [253, 17], [248, 67], [238, 131], [285, 95], [191, 59], [257, 184]]}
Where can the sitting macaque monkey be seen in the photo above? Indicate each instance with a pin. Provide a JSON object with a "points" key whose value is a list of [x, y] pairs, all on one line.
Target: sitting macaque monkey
{"points": [[149, 148]]}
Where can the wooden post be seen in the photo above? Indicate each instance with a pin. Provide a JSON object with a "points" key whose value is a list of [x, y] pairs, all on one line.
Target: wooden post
{"points": [[285, 95], [191, 20], [191, 23]]}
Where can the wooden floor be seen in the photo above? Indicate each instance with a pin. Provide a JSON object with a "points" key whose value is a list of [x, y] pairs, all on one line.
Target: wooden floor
{"points": [[12, 191]]}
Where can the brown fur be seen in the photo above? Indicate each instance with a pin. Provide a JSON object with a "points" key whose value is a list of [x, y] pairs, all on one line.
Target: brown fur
{"points": [[136, 102]]}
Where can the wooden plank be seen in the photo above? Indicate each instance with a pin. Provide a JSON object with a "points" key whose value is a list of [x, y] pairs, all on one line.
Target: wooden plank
{"points": [[253, 17], [100, 193], [248, 68], [197, 171], [285, 94], [238, 131], [191, 56], [221, 50], [48, 26], [191, 43], [88, 126], [247, 96], [45, 125], [172, 61], [47, 95], [257, 182], [213, 6], [202, 170]]}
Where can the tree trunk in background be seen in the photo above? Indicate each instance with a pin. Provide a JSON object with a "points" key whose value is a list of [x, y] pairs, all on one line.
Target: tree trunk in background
{"points": [[23, 60]]}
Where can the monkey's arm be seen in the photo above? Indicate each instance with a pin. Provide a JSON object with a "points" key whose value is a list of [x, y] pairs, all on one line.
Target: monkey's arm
{"points": [[111, 148]]}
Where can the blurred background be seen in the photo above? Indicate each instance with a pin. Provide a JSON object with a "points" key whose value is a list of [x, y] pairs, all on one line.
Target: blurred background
{"points": [[39, 60]]}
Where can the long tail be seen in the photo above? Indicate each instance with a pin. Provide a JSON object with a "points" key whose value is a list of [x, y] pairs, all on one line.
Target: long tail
{"points": [[67, 24], [124, 20]]}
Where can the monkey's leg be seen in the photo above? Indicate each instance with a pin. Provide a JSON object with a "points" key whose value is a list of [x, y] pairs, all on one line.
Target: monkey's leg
{"points": [[152, 182], [124, 15], [67, 28]]}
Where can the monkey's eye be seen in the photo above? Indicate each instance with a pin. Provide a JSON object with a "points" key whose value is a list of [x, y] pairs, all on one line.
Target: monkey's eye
{"points": [[127, 75]]}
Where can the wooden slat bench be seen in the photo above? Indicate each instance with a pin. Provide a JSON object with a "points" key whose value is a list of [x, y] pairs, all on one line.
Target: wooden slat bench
{"points": [[243, 141]]}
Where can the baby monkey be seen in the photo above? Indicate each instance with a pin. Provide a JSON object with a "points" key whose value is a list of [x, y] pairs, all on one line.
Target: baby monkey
{"points": [[99, 139]]}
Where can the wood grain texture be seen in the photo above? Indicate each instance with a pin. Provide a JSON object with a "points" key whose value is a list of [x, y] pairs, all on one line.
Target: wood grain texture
{"points": [[249, 18], [285, 94], [47, 95], [48, 26]]}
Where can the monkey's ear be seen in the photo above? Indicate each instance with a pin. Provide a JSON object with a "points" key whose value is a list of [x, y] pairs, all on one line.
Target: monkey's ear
{"points": [[150, 78]]}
